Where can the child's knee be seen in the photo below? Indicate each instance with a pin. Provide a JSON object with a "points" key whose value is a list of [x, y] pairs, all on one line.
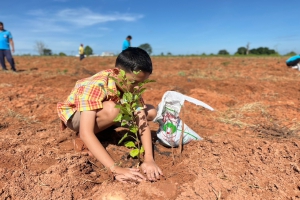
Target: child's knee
{"points": [[151, 112]]}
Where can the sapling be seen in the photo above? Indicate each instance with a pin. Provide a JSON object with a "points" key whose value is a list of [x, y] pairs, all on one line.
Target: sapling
{"points": [[129, 100]]}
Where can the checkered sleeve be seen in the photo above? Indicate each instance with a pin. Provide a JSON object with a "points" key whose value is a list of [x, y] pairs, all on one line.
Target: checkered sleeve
{"points": [[90, 97]]}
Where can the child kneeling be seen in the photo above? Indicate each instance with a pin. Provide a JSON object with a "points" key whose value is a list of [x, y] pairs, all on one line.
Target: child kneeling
{"points": [[90, 108]]}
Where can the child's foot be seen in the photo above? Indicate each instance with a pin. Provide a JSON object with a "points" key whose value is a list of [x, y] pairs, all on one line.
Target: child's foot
{"points": [[79, 146]]}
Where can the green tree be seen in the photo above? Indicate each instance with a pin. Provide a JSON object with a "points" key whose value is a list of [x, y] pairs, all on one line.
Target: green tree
{"points": [[254, 51], [263, 51], [241, 51], [292, 53], [223, 52], [146, 47], [62, 54], [88, 51], [47, 52]]}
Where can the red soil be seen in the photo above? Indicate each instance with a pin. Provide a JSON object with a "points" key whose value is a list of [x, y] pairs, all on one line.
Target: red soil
{"points": [[251, 141]]}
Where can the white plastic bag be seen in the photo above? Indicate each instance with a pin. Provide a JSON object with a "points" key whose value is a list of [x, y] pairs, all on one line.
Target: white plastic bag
{"points": [[170, 124]]}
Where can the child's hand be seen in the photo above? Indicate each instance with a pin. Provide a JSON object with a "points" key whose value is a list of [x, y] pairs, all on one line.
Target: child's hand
{"points": [[128, 174], [152, 170]]}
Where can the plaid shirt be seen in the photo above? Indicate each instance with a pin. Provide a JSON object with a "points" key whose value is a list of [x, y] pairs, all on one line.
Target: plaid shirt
{"points": [[89, 93]]}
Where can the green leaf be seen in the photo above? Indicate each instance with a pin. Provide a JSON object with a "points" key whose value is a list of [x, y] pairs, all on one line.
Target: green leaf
{"points": [[135, 90], [128, 108], [136, 97], [128, 97], [123, 100], [141, 84], [124, 122], [124, 111], [142, 150], [142, 91], [121, 78], [123, 138], [118, 118], [129, 144], [118, 106], [149, 81], [111, 90], [134, 106], [134, 129], [127, 117], [131, 82], [136, 72], [113, 78], [134, 152], [122, 72]]}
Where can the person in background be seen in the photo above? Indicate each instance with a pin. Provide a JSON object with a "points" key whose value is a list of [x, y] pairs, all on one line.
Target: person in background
{"points": [[81, 52], [126, 42], [6, 41], [293, 62]]}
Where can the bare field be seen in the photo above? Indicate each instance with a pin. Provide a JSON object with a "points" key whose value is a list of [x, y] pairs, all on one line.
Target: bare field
{"points": [[251, 146]]}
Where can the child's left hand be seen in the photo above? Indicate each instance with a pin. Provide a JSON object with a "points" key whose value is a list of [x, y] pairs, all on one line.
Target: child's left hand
{"points": [[152, 170]]}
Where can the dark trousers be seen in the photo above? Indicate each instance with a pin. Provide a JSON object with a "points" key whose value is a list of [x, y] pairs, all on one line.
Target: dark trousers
{"points": [[9, 58], [81, 56]]}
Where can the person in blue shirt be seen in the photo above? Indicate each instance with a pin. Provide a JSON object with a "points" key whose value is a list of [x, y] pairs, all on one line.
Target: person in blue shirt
{"points": [[126, 43], [293, 62], [6, 41]]}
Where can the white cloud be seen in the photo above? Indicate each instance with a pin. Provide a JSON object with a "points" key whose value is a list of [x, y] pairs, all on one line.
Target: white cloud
{"points": [[66, 19], [88, 18], [46, 25]]}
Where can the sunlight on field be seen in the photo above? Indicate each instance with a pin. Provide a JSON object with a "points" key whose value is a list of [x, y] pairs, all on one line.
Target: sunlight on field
{"points": [[113, 196], [255, 128]]}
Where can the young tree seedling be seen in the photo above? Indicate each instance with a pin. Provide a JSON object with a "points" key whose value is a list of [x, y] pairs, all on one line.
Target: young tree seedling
{"points": [[129, 100]]}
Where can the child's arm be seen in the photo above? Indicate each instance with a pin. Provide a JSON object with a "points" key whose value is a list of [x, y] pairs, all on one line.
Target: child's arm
{"points": [[87, 123], [149, 166]]}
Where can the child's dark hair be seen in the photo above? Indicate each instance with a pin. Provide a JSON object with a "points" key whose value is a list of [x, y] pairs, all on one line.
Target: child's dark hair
{"points": [[134, 59]]}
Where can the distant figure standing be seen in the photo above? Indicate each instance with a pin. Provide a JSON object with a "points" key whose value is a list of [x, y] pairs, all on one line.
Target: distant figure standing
{"points": [[81, 52], [126, 43], [5, 42], [293, 62]]}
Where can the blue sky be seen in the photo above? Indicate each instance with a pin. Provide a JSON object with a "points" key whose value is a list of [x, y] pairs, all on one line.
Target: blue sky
{"points": [[176, 26]]}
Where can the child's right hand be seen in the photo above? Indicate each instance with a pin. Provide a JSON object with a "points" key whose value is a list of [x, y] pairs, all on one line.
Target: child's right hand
{"points": [[128, 174]]}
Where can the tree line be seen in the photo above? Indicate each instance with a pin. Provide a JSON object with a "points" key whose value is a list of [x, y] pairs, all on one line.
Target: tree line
{"points": [[41, 48]]}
